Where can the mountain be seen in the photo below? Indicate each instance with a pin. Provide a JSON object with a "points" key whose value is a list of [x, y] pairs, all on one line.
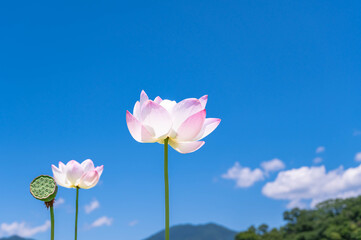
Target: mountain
{"points": [[209, 231], [15, 238]]}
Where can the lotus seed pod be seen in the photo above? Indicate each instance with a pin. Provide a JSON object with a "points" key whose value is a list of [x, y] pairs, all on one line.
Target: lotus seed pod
{"points": [[43, 188]]}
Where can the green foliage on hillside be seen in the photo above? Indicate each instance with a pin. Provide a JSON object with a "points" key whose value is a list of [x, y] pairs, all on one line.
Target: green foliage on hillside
{"points": [[330, 220]]}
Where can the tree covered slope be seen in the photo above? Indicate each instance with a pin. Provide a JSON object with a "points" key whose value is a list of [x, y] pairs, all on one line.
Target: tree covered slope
{"points": [[338, 219]]}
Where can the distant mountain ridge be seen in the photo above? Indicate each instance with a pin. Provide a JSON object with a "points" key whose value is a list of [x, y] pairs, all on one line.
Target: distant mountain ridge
{"points": [[15, 238], [210, 231]]}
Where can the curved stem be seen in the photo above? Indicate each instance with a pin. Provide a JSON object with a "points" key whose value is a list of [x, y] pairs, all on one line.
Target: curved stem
{"points": [[76, 213], [166, 185], [52, 221]]}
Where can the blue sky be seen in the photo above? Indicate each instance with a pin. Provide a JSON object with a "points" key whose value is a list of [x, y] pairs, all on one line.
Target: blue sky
{"points": [[284, 77]]}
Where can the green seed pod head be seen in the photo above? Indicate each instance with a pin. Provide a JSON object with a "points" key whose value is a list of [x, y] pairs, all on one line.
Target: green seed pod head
{"points": [[44, 188]]}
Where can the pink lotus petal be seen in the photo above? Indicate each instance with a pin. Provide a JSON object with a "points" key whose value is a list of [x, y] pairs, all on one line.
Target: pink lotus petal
{"points": [[143, 98], [89, 179], [137, 130], [184, 110], [155, 117], [87, 165], [191, 127], [158, 100], [186, 147], [99, 170], [74, 171], [204, 100], [210, 124]]}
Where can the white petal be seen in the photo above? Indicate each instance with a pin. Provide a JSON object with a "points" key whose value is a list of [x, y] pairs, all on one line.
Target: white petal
{"points": [[137, 130], [62, 167], [191, 127], [186, 147], [136, 110], [168, 105], [184, 110], [155, 117], [87, 165], [209, 125], [59, 176], [204, 100]]}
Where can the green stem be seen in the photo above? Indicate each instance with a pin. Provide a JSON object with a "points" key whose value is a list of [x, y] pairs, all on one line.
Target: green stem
{"points": [[166, 185], [76, 213], [52, 221]]}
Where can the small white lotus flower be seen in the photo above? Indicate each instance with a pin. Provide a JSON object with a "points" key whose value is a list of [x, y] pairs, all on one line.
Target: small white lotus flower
{"points": [[76, 175]]}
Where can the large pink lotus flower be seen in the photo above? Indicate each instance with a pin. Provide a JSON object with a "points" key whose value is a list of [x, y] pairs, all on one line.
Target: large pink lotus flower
{"points": [[185, 123], [76, 175]]}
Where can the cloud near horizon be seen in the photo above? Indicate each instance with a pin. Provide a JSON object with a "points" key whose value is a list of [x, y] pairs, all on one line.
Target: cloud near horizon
{"points": [[308, 186], [317, 160], [320, 149], [59, 201], [273, 165], [356, 132], [246, 177], [358, 157], [102, 221], [22, 229], [133, 223], [91, 206]]}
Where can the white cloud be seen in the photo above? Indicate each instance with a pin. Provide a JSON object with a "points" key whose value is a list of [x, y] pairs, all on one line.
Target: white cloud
{"points": [[317, 160], [296, 203], [358, 157], [320, 149], [59, 202], [133, 223], [103, 221], [273, 165], [22, 229], [244, 176], [314, 184], [356, 132], [92, 206]]}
